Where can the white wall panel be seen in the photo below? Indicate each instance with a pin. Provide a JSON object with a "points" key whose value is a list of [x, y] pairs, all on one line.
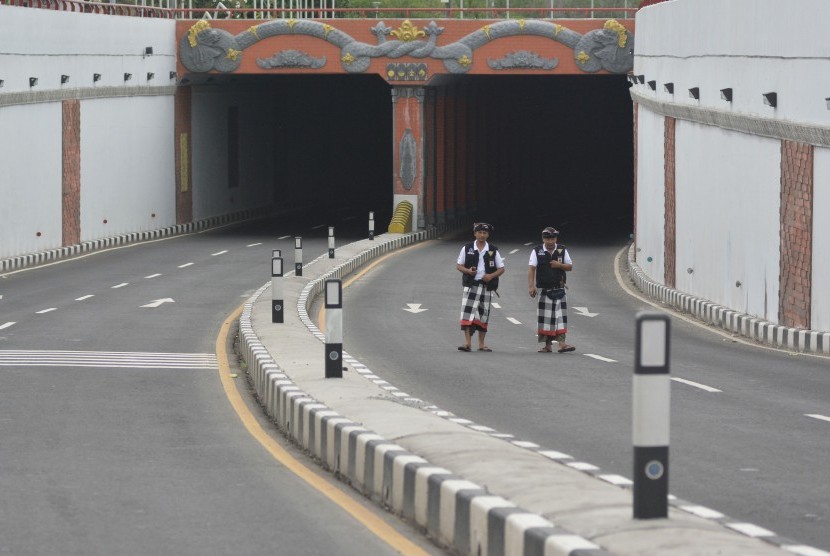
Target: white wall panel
{"points": [[651, 196], [127, 166], [820, 308], [728, 204], [30, 178]]}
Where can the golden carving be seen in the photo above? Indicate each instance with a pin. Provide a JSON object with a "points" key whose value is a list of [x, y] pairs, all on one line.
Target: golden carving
{"points": [[464, 61], [521, 23], [233, 54], [253, 30], [615, 26], [197, 28], [557, 29], [327, 29], [408, 32], [581, 58], [291, 23], [486, 30], [348, 58]]}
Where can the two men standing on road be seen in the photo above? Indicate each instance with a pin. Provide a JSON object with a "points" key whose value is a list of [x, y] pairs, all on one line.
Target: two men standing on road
{"points": [[546, 277], [480, 265]]}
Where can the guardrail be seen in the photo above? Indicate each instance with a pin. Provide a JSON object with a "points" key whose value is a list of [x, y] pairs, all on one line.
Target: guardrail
{"points": [[265, 11]]}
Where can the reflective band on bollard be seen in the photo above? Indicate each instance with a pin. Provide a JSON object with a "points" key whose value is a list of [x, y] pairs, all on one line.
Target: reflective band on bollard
{"points": [[298, 256], [372, 225], [334, 329], [331, 242], [651, 399], [277, 304]]}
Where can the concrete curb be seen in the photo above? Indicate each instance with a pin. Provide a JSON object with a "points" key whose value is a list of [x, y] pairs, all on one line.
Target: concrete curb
{"points": [[747, 326]]}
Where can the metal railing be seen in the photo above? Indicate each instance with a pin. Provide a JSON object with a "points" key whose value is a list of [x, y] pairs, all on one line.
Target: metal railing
{"points": [[305, 9]]}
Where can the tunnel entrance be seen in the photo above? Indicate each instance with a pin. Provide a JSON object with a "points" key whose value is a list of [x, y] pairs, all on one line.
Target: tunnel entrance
{"points": [[558, 147]]}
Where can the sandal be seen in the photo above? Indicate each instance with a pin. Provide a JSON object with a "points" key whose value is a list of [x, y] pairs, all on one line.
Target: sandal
{"points": [[485, 348], [566, 349], [463, 348], [545, 349]]}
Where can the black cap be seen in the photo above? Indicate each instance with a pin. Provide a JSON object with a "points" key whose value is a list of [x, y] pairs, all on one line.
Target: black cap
{"points": [[550, 231], [479, 226]]}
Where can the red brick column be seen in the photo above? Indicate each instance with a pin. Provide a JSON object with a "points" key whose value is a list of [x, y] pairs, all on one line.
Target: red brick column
{"points": [[670, 213], [184, 157], [71, 178], [408, 141], [796, 279]]}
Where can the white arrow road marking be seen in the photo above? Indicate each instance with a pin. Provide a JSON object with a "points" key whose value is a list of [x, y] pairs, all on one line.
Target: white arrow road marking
{"points": [[600, 357], [696, 384], [813, 415], [414, 308], [49, 310], [584, 312], [7, 325], [514, 321], [158, 302], [218, 253], [185, 265], [153, 276]]}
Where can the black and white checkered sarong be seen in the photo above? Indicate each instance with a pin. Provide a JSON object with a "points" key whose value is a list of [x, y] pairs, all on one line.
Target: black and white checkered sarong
{"points": [[475, 307], [552, 313]]}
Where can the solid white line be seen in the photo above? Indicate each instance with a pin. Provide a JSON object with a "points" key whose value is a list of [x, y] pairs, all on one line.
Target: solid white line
{"points": [[49, 310], [253, 244], [813, 415], [83, 297], [121, 285], [153, 276], [513, 251], [219, 253], [696, 384], [514, 321], [185, 265], [601, 358], [7, 325]]}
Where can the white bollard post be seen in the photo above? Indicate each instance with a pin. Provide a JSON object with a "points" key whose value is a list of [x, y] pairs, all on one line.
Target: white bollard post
{"points": [[334, 329], [331, 242], [275, 253], [277, 304], [650, 416], [372, 225], [298, 256]]}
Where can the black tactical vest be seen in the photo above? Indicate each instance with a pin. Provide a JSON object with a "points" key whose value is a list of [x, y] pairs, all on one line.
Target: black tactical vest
{"points": [[471, 260], [547, 277]]}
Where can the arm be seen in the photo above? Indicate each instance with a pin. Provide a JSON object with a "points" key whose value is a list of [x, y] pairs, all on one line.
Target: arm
{"points": [[464, 270], [531, 280]]}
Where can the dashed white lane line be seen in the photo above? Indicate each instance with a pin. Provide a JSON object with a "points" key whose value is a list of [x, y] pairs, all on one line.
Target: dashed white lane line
{"points": [[600, 358], [495, 305], [153, 276], [185, 265], [513, 251], [813, 415], [121, 285], [219, 253], [529, 243], [49, 310], [514, 321], [253, 244], [696, 384], [317, 227], [284, 237], [84, 297], [7, 325]]}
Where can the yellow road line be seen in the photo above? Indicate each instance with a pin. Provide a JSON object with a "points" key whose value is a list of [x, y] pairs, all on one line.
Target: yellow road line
{"points": [[367, 518]]}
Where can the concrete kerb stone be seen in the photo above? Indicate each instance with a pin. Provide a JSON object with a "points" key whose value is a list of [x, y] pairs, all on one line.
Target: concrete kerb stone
{"points": [[423, 448], [741, 324]]}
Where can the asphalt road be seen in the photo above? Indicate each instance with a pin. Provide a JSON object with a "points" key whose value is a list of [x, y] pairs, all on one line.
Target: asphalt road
{"points": [[750, 432], [116, 436]]}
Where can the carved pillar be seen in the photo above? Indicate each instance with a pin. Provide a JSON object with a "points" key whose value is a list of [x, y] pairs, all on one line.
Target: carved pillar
{"points": [[181, 127], [408, 148]]}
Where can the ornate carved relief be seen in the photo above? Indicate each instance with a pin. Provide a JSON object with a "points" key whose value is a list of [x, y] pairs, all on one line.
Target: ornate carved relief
{"points": [[523, 59], [204, 48], [408, 158], [291, 59]]}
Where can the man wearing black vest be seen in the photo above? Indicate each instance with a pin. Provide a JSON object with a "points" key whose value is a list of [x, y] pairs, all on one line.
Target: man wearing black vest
{"points": [[546, 276], [480, 265]]}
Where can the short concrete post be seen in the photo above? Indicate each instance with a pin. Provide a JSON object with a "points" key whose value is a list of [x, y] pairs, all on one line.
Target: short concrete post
{"points": [[650, 416], [298, 256], [334, 329], [277, 304], [331, 242], [372, 225], [275, 253]]}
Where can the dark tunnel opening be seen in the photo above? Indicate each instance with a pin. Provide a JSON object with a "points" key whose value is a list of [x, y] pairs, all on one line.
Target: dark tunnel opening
{"points": [[559, 148]]}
